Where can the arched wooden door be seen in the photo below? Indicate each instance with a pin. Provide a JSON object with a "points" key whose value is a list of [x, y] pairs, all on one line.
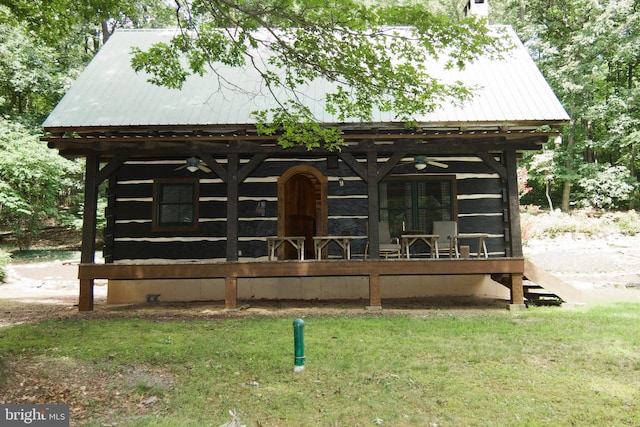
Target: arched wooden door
{"points": [[302, 207]]}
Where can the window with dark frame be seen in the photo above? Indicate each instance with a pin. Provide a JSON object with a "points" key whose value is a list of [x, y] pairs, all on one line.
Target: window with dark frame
{"points": [[175, 204], [412, 204]]}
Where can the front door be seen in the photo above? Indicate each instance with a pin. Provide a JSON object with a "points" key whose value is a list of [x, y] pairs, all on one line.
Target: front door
{"points": [[302, 207]]}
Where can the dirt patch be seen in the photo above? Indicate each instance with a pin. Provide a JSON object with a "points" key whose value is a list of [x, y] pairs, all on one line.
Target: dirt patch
{"points": [[86, 388]]}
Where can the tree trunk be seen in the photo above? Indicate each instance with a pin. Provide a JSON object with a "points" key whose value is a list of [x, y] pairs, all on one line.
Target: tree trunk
{"points": [[105, 32], [632, 147], [566, 184], [566, 195], [547, 193], [632, 172]]}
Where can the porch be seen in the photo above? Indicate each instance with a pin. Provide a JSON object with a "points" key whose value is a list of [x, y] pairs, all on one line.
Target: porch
{"points": [[508, 270]]}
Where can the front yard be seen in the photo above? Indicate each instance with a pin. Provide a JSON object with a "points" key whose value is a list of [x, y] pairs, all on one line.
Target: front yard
{"points": [[437, 367]]}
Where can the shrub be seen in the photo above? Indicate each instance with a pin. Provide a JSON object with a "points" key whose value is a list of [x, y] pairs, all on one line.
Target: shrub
{"points": [[605, 186], [4, 259], [628, 223], [585, 222]]}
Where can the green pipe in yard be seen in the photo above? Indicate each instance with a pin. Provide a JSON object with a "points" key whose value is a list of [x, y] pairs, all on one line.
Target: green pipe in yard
{"points": [[298, 345]]}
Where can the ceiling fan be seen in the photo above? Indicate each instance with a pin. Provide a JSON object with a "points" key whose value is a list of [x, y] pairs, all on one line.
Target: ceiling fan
{"points": [[423, 161], [193, 164]]}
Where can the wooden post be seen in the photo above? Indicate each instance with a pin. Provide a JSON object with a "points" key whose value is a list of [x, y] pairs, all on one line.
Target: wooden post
{"points": [[230, 293], [372, 206], [87, 254], [517, 291], [375, 301], [232, 207], [513, 203], [85, 300]]}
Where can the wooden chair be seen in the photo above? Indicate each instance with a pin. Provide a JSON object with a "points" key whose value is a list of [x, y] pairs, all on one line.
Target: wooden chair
{"points": [[446, 230], [389, 247]]}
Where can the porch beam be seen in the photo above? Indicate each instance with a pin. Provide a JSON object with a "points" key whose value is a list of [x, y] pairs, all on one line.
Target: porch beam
{"points": [[175, 146], [386, 168], [246, 170], [490, 161], [325, 268], [215, 166], [353, 164], [140, 137], [110, 168]]}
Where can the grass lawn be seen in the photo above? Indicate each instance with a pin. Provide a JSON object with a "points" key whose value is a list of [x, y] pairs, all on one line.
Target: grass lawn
{"points": [[540, 367]]}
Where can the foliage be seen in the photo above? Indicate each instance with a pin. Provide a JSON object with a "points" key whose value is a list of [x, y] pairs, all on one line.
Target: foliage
{"points": [[605, 186], [589, 51], [32, 178], [43, 47], [543, 168], [523, 181], [587, 222], [628, 223], [45, 44], [56, 21], [30, 83], [297, 126], [4, 259], [359, 48], [445, 367]]}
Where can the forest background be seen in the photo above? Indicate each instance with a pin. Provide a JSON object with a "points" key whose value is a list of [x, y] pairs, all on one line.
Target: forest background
{"points": [[588, 50]]}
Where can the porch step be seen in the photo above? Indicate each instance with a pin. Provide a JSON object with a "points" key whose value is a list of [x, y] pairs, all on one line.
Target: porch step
{"points": [[543, 288], [537, 295]]}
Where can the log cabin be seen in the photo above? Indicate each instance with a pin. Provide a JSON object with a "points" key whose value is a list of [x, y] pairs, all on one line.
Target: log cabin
{"points": [[200, 206]]}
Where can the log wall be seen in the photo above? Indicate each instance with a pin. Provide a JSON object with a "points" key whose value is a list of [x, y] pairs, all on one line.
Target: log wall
{"points": [[481, 208]]}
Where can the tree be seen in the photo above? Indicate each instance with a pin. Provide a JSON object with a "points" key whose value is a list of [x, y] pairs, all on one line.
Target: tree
{"points": [[44, 44], [542, 167], [355, 45], [30, 83], [589, 51], [32, 178], [56, 20]]}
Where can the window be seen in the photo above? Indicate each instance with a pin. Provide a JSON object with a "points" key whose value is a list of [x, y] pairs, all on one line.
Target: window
{"points": [[175, 204], [413, 203]]}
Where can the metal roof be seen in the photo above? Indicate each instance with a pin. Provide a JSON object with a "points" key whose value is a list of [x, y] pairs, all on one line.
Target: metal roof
{"points": [[510, 92]]}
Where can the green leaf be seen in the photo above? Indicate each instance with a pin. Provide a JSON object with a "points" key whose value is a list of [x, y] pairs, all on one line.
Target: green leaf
{"points": [[347, 43]]}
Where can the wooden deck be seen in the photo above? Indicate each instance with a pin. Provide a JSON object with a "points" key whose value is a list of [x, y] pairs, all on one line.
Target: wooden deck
{"points": [[511, 269]]}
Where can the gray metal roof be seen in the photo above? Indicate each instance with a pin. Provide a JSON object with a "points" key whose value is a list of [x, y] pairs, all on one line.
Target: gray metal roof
{"points": [[510, 92]]}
